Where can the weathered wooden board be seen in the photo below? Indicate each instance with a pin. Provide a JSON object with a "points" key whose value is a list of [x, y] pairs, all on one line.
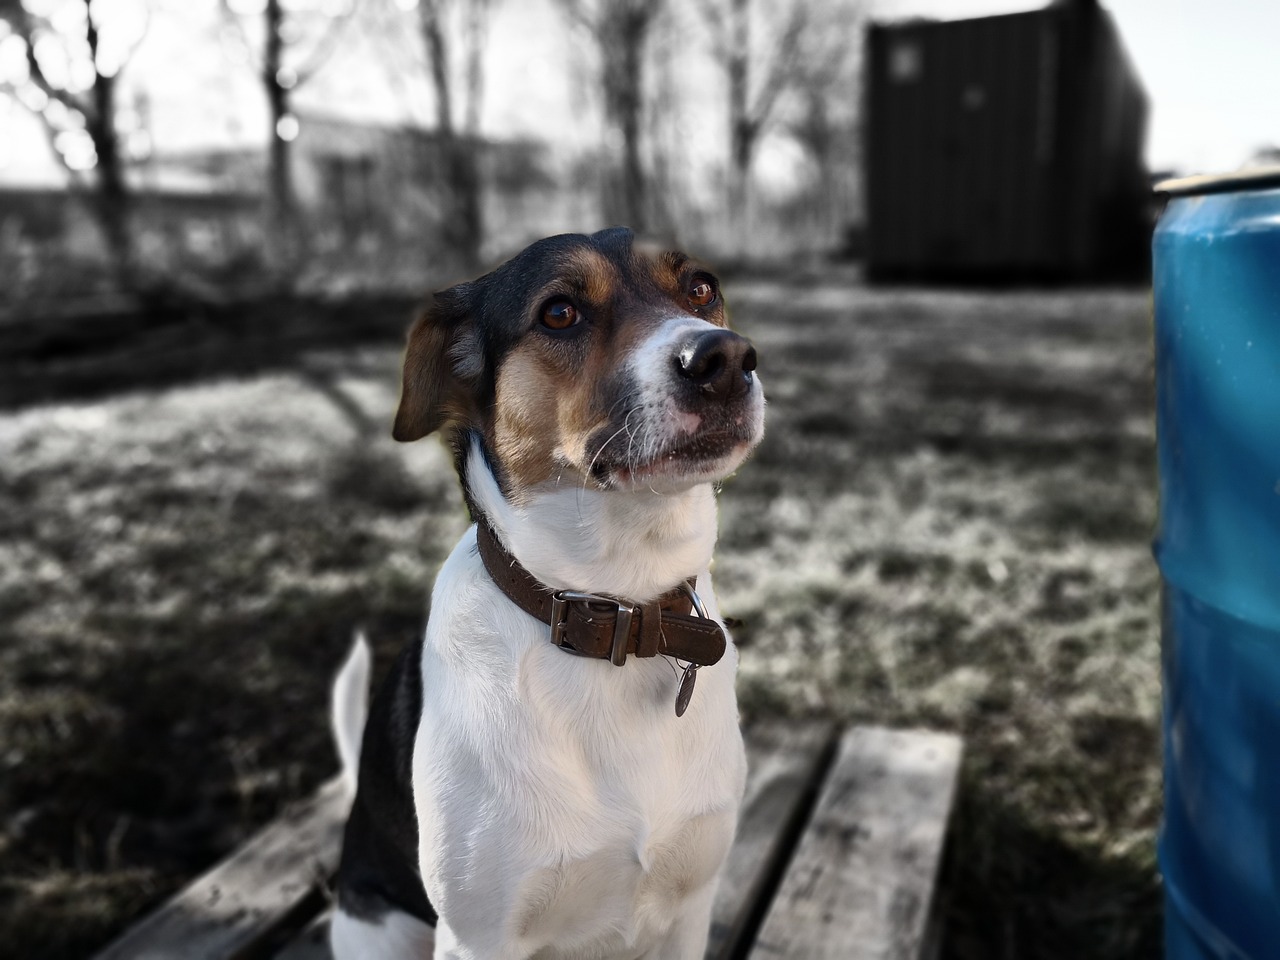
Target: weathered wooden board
{"points": [[861, 883], [785, 764], [273, 881]]}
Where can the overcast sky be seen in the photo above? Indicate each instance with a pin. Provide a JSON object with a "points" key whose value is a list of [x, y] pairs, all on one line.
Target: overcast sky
{"points": [[1211, 69]]}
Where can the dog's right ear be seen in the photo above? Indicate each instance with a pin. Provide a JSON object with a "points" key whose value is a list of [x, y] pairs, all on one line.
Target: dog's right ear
{"points": [[433, 392]]}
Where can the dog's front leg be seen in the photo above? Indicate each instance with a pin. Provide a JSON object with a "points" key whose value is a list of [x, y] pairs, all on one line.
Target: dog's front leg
{"points": [[687, 938], [449, 947], [446, 943]]}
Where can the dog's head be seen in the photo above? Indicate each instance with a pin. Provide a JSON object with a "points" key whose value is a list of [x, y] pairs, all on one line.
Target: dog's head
{"points": [[590, 360]]}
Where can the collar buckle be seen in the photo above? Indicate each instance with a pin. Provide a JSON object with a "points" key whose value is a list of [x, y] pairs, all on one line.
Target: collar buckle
{"points": [[623, 615]]}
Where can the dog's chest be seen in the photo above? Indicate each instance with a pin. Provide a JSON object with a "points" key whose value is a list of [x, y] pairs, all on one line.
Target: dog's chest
{"points": [[635, 840], [562, 803]]}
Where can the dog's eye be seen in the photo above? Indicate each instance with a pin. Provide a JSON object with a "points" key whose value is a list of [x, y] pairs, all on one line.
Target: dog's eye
{"points": [[702, 293], [559, 315]]}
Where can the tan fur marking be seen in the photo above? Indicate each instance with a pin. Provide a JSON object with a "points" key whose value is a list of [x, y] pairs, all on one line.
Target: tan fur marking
{"points": [[595, 272], [669, 271], [662, 270], [542, 415]]}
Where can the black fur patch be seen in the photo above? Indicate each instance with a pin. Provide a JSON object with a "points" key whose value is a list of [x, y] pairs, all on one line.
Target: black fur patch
{"points": [[379, 871]]}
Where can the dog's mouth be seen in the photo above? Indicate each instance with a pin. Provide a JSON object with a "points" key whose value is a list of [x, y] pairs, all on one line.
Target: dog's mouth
{"points": [[706, 456]]}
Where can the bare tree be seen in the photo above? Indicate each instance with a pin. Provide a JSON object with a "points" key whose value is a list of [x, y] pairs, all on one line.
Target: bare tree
{"points": [[71, 111], [811, 44], [281, 48], [464, 222], [475, 34], [621, 30]]}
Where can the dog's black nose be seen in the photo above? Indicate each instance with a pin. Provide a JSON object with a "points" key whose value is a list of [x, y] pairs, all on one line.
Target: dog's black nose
{"points": [[719, 362]]}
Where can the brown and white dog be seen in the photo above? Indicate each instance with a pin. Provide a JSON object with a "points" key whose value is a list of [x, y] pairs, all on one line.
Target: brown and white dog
{"points": [[525, 802]]}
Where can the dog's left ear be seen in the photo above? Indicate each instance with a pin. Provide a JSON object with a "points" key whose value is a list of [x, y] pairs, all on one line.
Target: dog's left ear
{"points": [[440, 341]]}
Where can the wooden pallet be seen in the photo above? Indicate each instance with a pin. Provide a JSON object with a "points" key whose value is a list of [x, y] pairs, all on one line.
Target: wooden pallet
{"points": [[837, 855]]}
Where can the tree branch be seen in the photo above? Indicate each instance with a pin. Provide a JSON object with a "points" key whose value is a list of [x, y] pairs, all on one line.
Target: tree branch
{"points": [[12, 11], [388, 33], [231, 17], [326, 46], [783, 70], [142, 35], [437, 64], [91, 33], [25, 27], [476, 30], [577, 12], [50, 133], [715, 17], [64, 97]]}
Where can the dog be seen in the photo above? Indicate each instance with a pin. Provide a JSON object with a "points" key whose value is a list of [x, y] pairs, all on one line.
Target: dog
{"points": [[525, 801]]}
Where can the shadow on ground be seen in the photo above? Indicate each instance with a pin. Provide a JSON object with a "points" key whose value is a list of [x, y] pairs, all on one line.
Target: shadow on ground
{"points": [[1014, 889]]}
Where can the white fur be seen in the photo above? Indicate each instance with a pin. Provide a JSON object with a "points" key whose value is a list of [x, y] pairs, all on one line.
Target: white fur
{"points": [[635, 544], [564, 811], [350, 702], [396, 936]]}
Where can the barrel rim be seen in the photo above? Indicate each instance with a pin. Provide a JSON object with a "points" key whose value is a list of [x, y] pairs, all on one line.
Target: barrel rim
{"points": [[1256, 178]]}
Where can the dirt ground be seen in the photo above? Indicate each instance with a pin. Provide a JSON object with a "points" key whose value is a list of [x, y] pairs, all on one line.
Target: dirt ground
{"points": [[946, 526]]}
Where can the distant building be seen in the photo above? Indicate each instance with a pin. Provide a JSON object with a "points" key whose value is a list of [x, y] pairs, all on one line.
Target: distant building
{"points": [[388, 180], [354, 183], [1005, 147]]}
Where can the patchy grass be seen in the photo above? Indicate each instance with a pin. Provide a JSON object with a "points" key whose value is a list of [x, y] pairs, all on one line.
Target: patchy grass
{"points": [[947, 526]]}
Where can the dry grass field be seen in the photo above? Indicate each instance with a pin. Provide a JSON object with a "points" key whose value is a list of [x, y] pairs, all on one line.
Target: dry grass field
{"points": [[946, 526]]}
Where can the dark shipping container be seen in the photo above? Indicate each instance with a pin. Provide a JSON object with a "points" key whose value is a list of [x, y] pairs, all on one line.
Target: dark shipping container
{"points": [[1005, 147]]}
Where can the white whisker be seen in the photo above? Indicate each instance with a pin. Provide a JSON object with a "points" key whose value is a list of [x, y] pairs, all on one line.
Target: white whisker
{"points": [[591, 466]]}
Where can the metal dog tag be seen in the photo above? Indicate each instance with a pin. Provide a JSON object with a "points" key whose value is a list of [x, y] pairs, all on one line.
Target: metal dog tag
{"points": [[685, 693]]}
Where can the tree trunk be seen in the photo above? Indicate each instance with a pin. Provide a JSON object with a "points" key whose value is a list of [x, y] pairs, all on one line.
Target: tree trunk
{"points": [[742, 129], [476, 33], [468, 226], [633, 183], [111, 203], [281, 203], [469, 179], [817, 135], [463, 224], [623, 35]]}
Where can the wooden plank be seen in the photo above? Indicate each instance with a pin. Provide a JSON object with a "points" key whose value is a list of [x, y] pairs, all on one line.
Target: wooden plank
{"points": [[785, 765], [272, 882], [861, 884]]}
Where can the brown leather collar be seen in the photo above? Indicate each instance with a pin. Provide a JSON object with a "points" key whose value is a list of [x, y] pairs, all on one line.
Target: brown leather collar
{"points": [[605, 628]]}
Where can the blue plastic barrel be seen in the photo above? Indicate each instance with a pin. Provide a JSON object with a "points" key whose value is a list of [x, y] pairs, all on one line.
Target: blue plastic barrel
{"points": [[1217, 338]]}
